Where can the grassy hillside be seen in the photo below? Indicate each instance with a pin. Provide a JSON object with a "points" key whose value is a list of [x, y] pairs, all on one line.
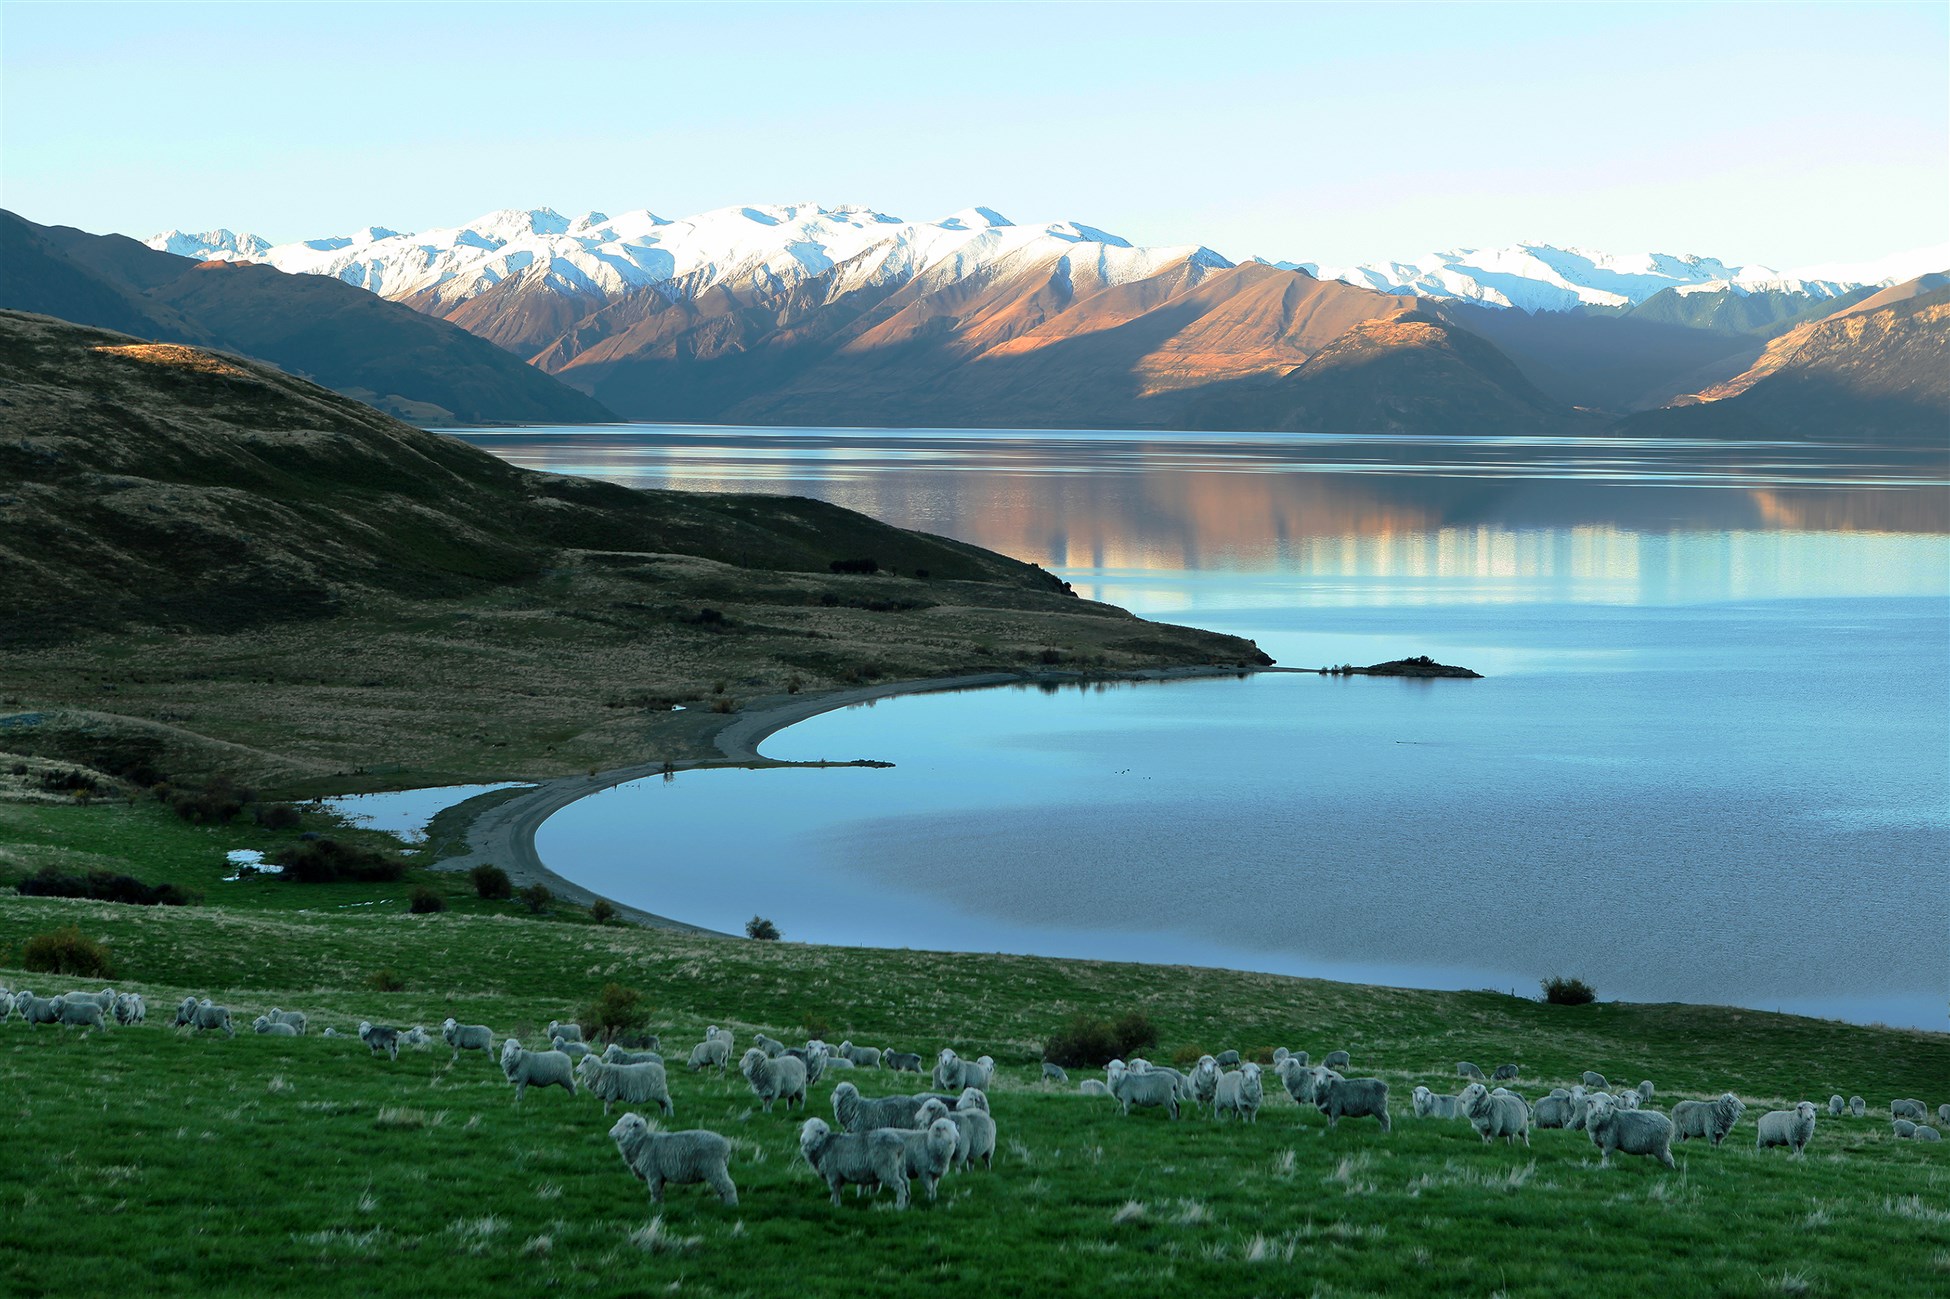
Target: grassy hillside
{"points": [[247, 1165]]}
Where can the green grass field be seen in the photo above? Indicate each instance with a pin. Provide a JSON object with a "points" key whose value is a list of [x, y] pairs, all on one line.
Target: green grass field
{"points": [[146, 1161]]}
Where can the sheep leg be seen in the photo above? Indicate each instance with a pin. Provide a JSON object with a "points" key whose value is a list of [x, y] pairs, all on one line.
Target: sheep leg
{"points": [[834, 1184], [656, 1189]]}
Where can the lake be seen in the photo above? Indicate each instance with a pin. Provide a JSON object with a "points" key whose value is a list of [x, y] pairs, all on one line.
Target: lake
{"points": [[1709, 761]]}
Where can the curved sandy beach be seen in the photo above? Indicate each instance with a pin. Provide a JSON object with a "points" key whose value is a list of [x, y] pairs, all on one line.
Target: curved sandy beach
{"points": [[504, 834]]}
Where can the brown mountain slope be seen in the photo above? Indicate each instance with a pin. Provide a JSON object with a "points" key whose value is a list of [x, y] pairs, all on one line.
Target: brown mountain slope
{"points": [[345, 338], [1867, 373], [1410, 373]]}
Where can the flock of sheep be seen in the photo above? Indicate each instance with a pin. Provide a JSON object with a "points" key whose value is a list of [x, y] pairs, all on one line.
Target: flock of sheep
{"points": [[888, 1142]]}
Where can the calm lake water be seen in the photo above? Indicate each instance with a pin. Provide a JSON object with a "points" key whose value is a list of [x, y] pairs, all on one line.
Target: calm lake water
{"points": [[1710, 760]]}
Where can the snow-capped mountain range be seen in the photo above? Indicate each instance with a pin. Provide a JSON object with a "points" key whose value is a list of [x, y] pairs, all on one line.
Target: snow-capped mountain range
{"points": [[776, 247]]}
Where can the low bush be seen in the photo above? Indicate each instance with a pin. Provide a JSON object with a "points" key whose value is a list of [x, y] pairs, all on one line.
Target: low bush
{"points": [[536, 898], [216, 803], [867, 565], [426, 902], [602, 912], [386, 980], [332, 861], [762, 929], [67, 951], [492, 883], [278, 816], [103, 886], [616, 1010], [1560, 991], [1088, 1042]]}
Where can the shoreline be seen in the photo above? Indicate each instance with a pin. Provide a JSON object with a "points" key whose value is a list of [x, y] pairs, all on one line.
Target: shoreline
{"points": [[504, 835]]}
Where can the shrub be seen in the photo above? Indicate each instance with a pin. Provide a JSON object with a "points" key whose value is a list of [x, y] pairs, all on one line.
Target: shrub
{"points": [[330, 861], [816, 1026], [103, 886], [762, 929], [1560, 991], [386, 980], [426, 902], [67, 951], [724, 704], [216, 803], [615, 1010], [492, 883], [278, 816], [603, 912], [1088, 1042], [536, 898], [867, 565]]}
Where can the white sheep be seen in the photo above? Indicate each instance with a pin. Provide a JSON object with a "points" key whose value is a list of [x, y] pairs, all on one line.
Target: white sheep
{"points": [[1927, 1133], [856, 1113], [865, 1057], [525, 1069], [1146, 1089], [772, 1079], [930, 1152], [1553, 1111], [575, 1050], [677, 1158], [900, 1061], [1645, 1090], [1710, 1119], [1336, 1060], [1495, 1114], [295, 1018], [1634, 1132], [272, 1028], [1239, 1092], [1092, 1087], [722, 1034], [1505, 1073], [80, 1011], [1341, 1098], [1857, 1106], [711, 1053], [1594, 1081], [1903, 1128], [1464, 1069], [1836, 1107], [876, 1158], [1054, 1073], [974, 1126], [203, 1016], [1581, 1101], [1943, 1113], [627, 1084], [42, 1010], [1303, 1083], [467, 1037], [772, 1047], [614, 1054], [1794, 1128], [378, 1037], [567, 1032], [130, 1008], [1914, 1111], [1433, 1105], [1205, 1080], [6, 1004]]}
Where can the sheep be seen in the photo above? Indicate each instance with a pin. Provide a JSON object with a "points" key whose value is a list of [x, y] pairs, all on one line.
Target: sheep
{"points": [[7, 1004], [1091, 1087], [329, 1032], [39, 1010], [1836, 1107], [1464, 1069], [1928, 1133], [1903, 1129], [1432, 1105], [1913, 1110], [678, 1158], [814, 1061], [202, 1015], [570, 1047], [631, 1084], [721, 1034], [856, 1113], [525, 1068], [973, 1124], [901, 1061], [295, 1018], [1353, 1098], [265, 1025], [1635, 1132], [866, 1057], [567, 1032], [1552, 1111], [467, 1037], [1300, 1058], [1594, 1081], [1628, 1099], [378, 1037], [1239, 1092], [1147, 1089], [82, 1011], [614, 1054], [951, 1071], [1335, 1060], [1710, 1119], [1280, 1053], [1227, 1060], [104, 998], [1054, 1073], [930, 1152], [1205, 1080], [1182, 1082], [770, 1045], [1505, 1073], [711, 1053], [1493, 1115], [876, 1158], [1645, 1090], [1794, 1128], [1581, 1102], [1303, 1083], [1857, 1106], [947, 1069], [775, 1079]]}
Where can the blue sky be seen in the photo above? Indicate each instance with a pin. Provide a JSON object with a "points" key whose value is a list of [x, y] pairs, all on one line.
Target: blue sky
{"points": [[1777, 134]]}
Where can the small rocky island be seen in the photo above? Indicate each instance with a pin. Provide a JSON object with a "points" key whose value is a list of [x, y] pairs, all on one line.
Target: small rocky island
{"points": [[1419, 666]]}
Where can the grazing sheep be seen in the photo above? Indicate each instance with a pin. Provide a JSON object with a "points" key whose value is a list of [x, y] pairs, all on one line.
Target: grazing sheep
{"points": [[1943, 1113], [1497, 1114], [1353, 1098], [876, 1158], [1280, 1053], [1836, 1107], [1594, 1080], [41, 1010], [1645, 1090], [1205, 1080], [1335, 1060], [1227, 1059], [567, 1032], [1300, 1058], [614, 1054], [856, 1113], [770, 1045], [866, 1057], [629, 1084], [468, 1037], [677, 1158], [775, 1079], [1857, 1106], [264, 1024], [1553, 1111], [930, 1152], [901, 1061], [1903, 1129], [1913, 1110], [525, 1069], [295, 1018], [84, 1012], [1054, 1073], [203, 1016], [1505, 1073], [1928, 1133], [1239, 1092], [1634, 1132], [1795, 1128], [974, 1126], [1146, 1089], [1464, 1069], [573, 1049], [1091, 1087], [711, 1053], [1710, 1119], [378, 1037]]}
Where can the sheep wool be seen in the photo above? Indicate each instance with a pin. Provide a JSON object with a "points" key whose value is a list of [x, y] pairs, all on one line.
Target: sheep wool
{"points": [[1352, 1098], [930, 1152], [468, 1037], [783, 1078], [525, 1069], [1633, 1132], [876, 1158], [855, 1113], [1239, 1092], [627, 1084], [1495, 1114], [676, 1158], [711, 1053], [1793, 1128], [1710, 1119]]}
